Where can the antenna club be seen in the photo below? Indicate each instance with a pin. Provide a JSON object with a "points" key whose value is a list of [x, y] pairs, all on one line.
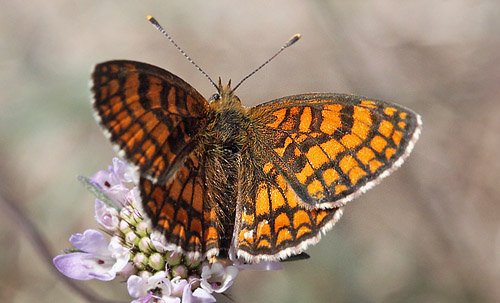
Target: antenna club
{"points": [[289, 43], [149, 17], [294, 39]]}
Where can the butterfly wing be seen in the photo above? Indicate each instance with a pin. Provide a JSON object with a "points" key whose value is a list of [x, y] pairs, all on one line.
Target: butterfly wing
{"points": [[330, 148], [178, 209], [308, 155], [271, 224], [149, 114]]}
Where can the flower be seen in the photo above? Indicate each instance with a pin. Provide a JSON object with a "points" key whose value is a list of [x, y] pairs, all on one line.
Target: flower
{"points": [[112, 182], [178, 286], [154, 288], [199, 295], [123, 171], [156, 270], [95, 259], [106, 216], [158, 241], [217, 277]]}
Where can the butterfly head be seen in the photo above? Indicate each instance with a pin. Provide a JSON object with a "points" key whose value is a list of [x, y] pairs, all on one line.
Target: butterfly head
{"points": [[225, 96]]}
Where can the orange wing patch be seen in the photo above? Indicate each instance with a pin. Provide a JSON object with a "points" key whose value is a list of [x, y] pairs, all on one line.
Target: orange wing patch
{"points": [[275, 225], [328, 147]]}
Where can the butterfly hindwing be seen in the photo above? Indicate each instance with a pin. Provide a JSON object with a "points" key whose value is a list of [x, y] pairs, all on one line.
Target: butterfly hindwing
{"points": [[271, 223], [330, 148], [149, 114], [178, 209]]}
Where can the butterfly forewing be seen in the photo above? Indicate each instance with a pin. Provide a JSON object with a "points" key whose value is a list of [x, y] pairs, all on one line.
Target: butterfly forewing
{"points": [[330, 148], [149, 114]]}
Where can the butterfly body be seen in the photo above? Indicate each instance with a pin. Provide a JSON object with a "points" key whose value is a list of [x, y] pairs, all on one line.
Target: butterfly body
{"points": [[219, 146], [267, 180]]}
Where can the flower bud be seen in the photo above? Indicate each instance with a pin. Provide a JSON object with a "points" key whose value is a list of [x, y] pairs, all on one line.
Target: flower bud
{"points": [[135, 217], [156, 261], [125, 213], [180, 271], [145, 245], [142, 229], [174, 258], [132, 238], [144, 274], [192, 263], [140, 260], [124, 227]]}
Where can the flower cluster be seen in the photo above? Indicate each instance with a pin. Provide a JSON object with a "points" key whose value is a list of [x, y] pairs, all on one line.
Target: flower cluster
{"points": [[153, 270]]}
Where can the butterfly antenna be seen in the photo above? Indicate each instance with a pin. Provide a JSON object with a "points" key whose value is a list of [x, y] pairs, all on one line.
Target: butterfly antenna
{"points": [[289, 43], [160, 28]]}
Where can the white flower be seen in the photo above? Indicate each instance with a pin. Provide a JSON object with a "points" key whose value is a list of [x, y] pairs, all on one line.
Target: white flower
{"points": [[157, 287], [199, 295], [216, 277], [158, 240]]}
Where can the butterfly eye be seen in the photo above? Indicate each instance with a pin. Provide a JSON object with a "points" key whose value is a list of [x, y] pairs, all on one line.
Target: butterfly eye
{"points": [[214, 97]]}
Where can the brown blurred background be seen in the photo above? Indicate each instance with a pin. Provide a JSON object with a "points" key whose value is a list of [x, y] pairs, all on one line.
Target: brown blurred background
{"points": [[428, 233]]}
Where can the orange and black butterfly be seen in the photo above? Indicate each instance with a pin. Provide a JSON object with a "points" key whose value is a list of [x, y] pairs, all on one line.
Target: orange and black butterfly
{"points": [[267, 180]]}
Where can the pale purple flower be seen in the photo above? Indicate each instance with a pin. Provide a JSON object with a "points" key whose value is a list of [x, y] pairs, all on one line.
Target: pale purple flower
{"points": [[128, 270], [178, 286], [111, 182], [158, 241], [106, 216], [97, 258], [137, 253], [199, 295], [217, 277], [156, 288], [123, 171]]}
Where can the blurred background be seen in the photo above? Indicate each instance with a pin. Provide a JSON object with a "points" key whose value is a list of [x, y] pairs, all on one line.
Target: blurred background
{"points": [[429, 233]]}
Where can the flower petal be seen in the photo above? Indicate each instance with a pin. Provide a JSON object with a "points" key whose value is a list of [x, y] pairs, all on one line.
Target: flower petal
{"points": [[91, 241], [124, 171], [119, 253], [103, 180], [178, 286], [158, 240], [71, 265], [200, 295], [137, 287]]}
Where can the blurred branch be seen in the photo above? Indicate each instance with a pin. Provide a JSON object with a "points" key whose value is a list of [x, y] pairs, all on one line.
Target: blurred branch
{"points": [[11, 210]]}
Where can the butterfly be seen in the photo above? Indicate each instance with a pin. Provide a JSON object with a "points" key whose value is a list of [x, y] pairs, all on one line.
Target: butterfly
{"points": [[266, 181]]}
